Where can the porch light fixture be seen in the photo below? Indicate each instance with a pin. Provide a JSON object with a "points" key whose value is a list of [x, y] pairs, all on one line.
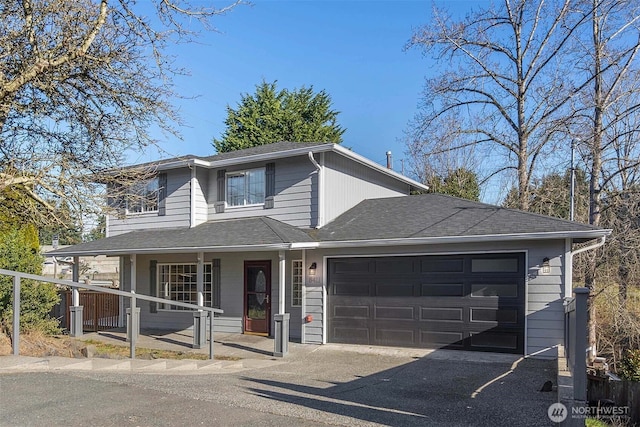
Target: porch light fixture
{"points": [[546, 268], [312, 269]]}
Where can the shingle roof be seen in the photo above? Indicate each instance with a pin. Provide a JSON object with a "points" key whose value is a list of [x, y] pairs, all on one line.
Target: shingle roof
{"points": [[262, 149], [275, 147], [210, 235], [437, 215]]}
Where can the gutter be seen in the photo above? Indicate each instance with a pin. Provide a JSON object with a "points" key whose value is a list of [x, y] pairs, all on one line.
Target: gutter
{"points": [[182, 249], [592, 351], [590, 234], [568, 289]]}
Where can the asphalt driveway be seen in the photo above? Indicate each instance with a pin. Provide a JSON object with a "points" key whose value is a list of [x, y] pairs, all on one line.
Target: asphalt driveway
{"points": [[331, 385]]}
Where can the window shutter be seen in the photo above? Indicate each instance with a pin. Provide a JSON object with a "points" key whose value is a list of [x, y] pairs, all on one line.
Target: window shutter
{"points": [[153, 306], [270, 185], [219, 205], [116, 198], [162, 194]]}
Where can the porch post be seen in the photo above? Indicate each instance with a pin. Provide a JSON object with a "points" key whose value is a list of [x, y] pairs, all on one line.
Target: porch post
{"points": [[281, 342], [282, 264], [75, 329], [15, 339], [200, 317], [200, 278], [133, 312]]}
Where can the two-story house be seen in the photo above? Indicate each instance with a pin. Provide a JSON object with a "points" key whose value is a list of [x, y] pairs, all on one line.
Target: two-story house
{"points": [[343, 245]]}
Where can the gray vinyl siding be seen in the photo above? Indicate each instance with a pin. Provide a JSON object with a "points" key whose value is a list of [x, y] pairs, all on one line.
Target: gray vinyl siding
{"points": [[177, 208], [293, 204], [544, 300], [231, 291], [201, 192], [347, 183]]}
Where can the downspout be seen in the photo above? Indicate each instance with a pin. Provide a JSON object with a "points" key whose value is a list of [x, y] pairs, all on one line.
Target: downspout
{"points": [[592, 348], [320, 170], [192, 198], [569, 285]]}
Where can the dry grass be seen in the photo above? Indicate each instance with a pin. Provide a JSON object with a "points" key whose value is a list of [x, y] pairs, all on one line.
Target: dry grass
{"points": [[39, 345]]}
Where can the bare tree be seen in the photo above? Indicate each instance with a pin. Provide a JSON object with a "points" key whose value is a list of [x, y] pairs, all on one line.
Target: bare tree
{"points": [[82, 82], [501, 85]]}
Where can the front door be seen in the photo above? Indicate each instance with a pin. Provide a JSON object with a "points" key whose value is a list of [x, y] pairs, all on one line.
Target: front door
{"points": [[257, 297]]}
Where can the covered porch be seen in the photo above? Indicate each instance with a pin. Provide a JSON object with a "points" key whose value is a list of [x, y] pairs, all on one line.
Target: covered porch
{"points": [[248, 268]]}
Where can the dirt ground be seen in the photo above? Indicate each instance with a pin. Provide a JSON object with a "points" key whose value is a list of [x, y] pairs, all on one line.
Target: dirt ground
{"points": [[39, 345]]}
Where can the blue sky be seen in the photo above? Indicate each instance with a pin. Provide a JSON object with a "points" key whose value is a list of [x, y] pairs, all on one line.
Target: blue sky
{"points": [[354, 50]]}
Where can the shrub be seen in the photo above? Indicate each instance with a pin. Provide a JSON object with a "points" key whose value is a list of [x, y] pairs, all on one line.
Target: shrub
{"points": [[629, 368], [19, 251]]}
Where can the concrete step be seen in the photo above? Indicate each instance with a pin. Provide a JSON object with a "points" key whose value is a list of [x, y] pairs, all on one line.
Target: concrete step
{"points": [[53, 363]]}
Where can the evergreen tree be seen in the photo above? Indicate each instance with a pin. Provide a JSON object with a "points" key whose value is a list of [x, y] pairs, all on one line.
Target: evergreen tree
{"points": [[271, 115], [460, 182]]}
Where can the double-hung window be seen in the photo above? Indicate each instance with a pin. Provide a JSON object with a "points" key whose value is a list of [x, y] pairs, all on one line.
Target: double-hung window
{"points": [[246, 187], [143, 197]]}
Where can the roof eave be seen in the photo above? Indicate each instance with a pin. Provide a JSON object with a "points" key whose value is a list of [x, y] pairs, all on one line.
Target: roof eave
{"points": [[587, 235], [185, 249]]}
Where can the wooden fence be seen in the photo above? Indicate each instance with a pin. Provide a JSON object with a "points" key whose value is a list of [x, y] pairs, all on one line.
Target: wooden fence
{"points": [[101, 311], [623, 394]]}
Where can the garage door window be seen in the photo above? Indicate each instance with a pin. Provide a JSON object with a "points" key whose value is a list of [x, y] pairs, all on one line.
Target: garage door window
{"points": [[494, 265], [494, 290]]}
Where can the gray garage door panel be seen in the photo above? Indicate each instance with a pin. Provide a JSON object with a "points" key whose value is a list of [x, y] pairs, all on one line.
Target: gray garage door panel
{"points": [[471, 302]]}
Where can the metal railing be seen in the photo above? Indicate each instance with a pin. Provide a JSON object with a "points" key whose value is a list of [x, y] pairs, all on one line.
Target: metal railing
{"points": [[133, 327]]}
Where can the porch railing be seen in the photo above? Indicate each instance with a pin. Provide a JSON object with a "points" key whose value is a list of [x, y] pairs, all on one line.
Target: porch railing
{"points": [[132, 320]]}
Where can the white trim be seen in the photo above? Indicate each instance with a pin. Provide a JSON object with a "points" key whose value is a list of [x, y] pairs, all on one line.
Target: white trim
{"points": [[200, 279], [568, 268], [192, 199], [320, 173], [303, 308], [134, 271], [282, 272], [482, 238], [325, 274]]}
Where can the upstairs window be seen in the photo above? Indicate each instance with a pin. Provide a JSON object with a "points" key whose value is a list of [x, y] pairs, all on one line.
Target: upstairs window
{"points": [[246, 187], [143, 197]]}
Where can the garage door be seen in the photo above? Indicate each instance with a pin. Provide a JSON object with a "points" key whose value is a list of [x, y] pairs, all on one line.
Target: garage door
{"points": [[467, 302]]}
